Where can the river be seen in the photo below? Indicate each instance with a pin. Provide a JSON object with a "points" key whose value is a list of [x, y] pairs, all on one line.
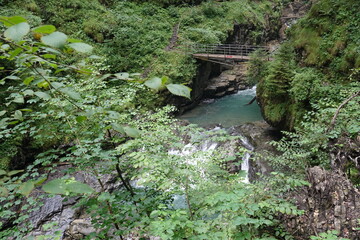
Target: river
{"points": [[228, 111]]}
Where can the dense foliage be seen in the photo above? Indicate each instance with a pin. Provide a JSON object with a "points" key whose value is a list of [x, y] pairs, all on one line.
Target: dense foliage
{"points": [[132, 35], [313, 87], [104, 124], [95, 114], [317, 61]]}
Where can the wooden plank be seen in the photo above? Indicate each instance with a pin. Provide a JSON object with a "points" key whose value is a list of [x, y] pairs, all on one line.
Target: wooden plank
{"points": [[206, 57]]}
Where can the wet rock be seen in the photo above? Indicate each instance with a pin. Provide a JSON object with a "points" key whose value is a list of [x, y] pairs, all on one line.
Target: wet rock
{"points": [[229, 81], [62, 211], [220, 94], [230, 90], [259, 134], [207, 101]]}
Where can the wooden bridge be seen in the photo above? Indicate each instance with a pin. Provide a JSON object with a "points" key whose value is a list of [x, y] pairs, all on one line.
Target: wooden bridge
{"points": [[224, 53]]}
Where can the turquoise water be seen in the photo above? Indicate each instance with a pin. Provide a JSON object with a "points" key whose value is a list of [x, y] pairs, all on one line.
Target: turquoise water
{"points": [[229, 111]]}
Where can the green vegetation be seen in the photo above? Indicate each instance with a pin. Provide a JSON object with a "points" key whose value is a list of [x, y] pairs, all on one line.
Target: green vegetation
{"points": [[313, 86], [105, 114], [111, 124], [131, 36], [321, 55]]}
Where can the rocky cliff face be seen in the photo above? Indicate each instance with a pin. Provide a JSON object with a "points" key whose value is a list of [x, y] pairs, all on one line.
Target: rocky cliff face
{"points": [[228, 82], [330, 203], [291, 13]]}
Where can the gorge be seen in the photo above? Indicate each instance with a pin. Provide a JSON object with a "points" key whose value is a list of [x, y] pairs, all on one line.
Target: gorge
{"points": [[90, 148]]}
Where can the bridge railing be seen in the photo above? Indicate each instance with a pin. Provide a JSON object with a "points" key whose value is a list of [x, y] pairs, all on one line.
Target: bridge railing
{"points": [[224, 49]]}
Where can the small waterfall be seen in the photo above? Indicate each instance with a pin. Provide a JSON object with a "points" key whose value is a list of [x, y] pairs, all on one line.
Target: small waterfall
{"points": [[245, 165], [247, 92], [208, 147], [189, 155]]}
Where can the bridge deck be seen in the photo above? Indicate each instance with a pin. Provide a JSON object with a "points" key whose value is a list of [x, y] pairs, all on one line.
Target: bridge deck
{"points": [[224, 52], [220, 56]]}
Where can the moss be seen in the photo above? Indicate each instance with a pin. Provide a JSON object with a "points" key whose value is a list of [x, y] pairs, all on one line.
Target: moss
{"points": [[275, 112], [338, 46], [326, 44], [8, 150], [4, 163]]}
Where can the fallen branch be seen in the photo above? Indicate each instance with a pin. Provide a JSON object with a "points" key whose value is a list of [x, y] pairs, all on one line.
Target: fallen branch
{"points": [[252, 100], [333, 120]]}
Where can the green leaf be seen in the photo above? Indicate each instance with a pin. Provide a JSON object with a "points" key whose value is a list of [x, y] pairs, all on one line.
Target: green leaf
{"points": [[53, 51], [26, 110], [135, 74], [42, 95], [164, 79], [78, 187], [18, 115], [5, 47], [56, 186], [47, 29], [62, 186], [104, 196], [179, 90], [73, 40], [2, 172], [28, 92], [19, 99], [10, 21], [12, 77], [288, 211], [28, 80], [4, 192], [132, 132], [81, 47], [122, 76], [4, 122], [39, 181], [2, 113], [26, 188], [71, 93], [11, 173], [118, 128], [114, 115], [15, 52], [80, 119], [51, 56], [17, 32], [55, 39], [57, 85], [154, 83], [43, 84]]}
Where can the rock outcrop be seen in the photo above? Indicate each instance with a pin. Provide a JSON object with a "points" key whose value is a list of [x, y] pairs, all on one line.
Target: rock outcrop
{"points": [[291, 13], [259, 134], [330, 203], [228, 82], [70, 221]]}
